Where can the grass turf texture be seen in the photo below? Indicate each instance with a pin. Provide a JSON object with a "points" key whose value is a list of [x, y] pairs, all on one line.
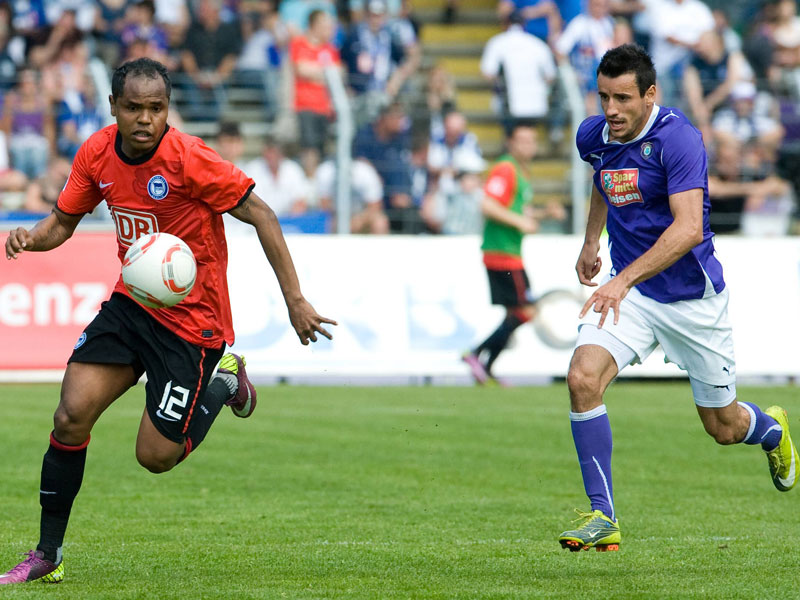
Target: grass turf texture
{"points": [[406, 493]]}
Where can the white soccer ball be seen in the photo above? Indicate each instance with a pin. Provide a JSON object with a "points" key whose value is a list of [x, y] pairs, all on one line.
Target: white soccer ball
{"points": [[159, 270]]}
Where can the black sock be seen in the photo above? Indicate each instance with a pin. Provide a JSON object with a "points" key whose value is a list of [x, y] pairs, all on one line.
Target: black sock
{"points": [[216, 395], [497, 342], [62, 474]]}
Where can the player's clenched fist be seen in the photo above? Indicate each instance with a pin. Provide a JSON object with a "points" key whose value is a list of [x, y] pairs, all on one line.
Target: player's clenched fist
{"points": [[18, 240]]}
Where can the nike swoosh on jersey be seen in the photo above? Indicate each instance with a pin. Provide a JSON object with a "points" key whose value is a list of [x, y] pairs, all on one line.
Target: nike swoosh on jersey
{"points": [[163, 416], [105, 185], [789, 480]]}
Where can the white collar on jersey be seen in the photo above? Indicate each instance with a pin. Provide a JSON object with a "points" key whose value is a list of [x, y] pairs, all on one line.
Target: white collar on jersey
{"points": [[647, 127]]}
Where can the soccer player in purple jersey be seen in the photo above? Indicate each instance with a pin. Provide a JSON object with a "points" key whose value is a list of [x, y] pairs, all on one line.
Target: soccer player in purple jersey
{"points": [[665, 286]]}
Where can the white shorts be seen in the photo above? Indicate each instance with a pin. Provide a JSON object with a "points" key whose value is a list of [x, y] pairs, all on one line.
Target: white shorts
{"points": [[694, 334]]}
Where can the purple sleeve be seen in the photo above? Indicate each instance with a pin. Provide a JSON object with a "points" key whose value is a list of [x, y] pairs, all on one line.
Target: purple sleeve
{"points": [[685, 161]]}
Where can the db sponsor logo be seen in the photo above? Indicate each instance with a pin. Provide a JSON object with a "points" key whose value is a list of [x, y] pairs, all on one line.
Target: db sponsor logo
{"points": [[621, 186], [133, 224]]}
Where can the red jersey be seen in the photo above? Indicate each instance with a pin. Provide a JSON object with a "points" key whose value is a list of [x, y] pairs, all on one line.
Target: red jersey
{"points": [[180, 187], [310, 95]]}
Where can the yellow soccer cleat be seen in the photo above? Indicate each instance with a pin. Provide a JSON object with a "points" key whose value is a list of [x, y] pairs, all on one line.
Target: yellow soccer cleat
{"points": [[596, 531], [783, 459]]}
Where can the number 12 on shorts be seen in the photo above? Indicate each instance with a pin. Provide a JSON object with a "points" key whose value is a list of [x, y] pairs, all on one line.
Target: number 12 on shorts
{"points": [[166, 410]]}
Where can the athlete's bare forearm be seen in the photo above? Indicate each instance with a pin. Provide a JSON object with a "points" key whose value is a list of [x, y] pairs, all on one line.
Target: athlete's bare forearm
{"points": [[596, 222], [49, 233], [685, 232]]}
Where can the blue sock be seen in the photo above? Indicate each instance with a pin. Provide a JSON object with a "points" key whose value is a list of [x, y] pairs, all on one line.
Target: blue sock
{"points": [[763, 429], [592, 434]]}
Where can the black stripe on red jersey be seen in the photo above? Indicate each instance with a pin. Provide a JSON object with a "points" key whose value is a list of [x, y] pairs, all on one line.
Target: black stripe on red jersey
{"points": [[243, 198], [139, 159], [63, 212]]}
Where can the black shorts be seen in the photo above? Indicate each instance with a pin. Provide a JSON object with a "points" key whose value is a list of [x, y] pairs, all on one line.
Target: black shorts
{"points": [[510, 288], [313, 130], [178, 372]]}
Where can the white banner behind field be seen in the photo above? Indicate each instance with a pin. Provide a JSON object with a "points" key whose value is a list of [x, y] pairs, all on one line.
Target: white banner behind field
{"points": [[409, 306]]}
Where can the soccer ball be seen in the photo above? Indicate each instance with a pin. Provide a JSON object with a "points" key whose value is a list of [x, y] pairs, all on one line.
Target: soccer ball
{"points": [[159, 270]]}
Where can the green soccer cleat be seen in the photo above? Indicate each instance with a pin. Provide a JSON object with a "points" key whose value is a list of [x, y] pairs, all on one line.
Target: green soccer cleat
{"points": [[783, 459], [596, 531]]}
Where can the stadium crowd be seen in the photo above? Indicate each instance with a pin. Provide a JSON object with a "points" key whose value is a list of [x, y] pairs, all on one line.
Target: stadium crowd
{"points": [[417, 167]]}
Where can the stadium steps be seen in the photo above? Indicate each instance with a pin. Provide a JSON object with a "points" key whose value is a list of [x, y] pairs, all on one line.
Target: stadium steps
{"points": [[458, 47]]}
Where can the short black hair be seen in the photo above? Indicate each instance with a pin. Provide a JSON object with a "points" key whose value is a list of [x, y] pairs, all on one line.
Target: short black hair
{"points": [[629, 58], [230, 129], [141, 67], [314, 15]]}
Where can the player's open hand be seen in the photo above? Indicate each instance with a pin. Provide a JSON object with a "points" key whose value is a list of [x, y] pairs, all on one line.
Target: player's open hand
{"points": [[307, 323], [588, 265], [607, 297], [18, 240]]}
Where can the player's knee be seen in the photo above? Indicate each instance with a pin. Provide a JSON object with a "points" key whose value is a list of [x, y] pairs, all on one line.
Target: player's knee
{"points": [[155, 464], [723, 434], [69, 425], [584, 386]]}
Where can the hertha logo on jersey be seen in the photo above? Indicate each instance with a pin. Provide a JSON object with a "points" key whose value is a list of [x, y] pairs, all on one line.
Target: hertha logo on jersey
{"points": [[621, 186], [157, 187]]}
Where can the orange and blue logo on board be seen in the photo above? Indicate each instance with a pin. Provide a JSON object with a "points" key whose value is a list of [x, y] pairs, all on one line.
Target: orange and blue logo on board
{"points": [[621, 186]]}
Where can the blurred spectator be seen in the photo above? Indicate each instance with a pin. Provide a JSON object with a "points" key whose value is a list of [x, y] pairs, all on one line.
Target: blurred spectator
{"points": [[540, 18], [208, 59], [230, 144], [458, 212], [747, 202], [522, 68], [12, 49], [280, 182], [730, 39], [294, 13], [742, 124], [140, 25], [378, 64], [173, 16], [454, 145], [786, 46], [77, 118], [385, 144], [585, 40], [109, 22], [264, 42], [43, 192], [710, 77], [28, 125], [311, 55], [11, 180], [366, 196], [676, 28], [84, 12], [440, 97]]}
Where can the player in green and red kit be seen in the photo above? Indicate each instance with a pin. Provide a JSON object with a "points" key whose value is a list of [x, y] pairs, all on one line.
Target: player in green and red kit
{"points": [[507, 211]]}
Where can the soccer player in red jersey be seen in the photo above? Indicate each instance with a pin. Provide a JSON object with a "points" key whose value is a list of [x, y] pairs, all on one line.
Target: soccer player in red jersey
{"points": [[153, 178]]}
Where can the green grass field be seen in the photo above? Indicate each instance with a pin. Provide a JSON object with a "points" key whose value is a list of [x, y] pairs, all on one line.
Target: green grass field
{"points": [[406, 493]]}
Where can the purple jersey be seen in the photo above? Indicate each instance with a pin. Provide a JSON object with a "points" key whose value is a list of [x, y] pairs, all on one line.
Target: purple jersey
{"points": [[636, 179]]}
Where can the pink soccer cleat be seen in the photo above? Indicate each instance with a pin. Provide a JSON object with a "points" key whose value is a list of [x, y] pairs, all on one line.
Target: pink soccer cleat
{"points": [[243, 402], [34, 568]]}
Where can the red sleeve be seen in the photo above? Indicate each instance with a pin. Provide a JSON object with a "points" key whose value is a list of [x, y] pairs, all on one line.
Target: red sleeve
{"points": [[501, 183], [295, 49], [80, 194], [213, 180]]}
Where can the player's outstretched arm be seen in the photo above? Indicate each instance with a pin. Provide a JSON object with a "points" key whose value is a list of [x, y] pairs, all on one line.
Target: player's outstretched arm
{"points": [[52, 231], [492, 209], [305, 320]]}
